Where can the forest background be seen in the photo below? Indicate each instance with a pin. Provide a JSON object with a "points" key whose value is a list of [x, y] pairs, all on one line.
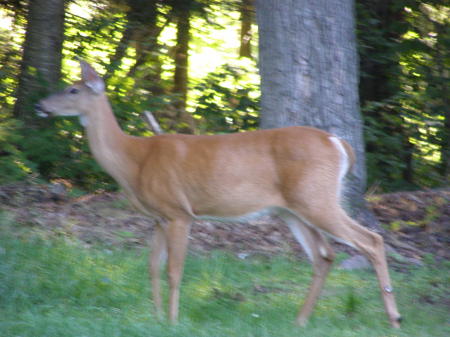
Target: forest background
{"points": [[194, 65], [72, 260]]}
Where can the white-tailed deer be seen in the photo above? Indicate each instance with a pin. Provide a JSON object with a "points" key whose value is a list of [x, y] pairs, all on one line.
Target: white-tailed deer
{"points": [[295, 172]]}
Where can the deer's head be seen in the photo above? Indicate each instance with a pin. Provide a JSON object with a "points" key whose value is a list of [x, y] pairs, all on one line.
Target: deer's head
{"points": [[75, 100]]}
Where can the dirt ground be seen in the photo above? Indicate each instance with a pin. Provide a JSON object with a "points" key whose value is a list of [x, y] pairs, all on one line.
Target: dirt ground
{"points": [[416, 223]]}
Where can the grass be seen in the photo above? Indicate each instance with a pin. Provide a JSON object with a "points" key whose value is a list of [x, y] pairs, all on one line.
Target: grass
{"points": [[58, 287]]}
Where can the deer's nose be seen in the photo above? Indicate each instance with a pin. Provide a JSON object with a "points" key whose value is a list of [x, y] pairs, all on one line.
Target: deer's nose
{"points": [[39, 110]]}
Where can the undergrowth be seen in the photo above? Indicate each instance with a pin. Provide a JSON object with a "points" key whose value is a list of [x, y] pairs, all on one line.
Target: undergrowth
{"points": [[60, 287]]}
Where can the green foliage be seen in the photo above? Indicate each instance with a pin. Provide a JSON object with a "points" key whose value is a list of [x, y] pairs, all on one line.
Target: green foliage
{"points": [[58, 149], [228, 100], [92, 28], [404, 99], [13, 163], [9, 58], [56, 287], [403, 48], [352, 302], [388, 147]]}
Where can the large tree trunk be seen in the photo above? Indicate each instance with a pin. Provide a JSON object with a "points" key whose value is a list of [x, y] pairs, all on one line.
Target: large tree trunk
{"points": [[41, 61], [309, 76]]}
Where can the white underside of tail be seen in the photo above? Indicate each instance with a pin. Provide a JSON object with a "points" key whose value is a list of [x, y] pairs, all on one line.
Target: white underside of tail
{"points": [[344, 163]]}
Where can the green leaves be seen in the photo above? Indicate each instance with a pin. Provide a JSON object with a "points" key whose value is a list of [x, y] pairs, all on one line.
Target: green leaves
{"points": [[402, 90], [228, 100]]}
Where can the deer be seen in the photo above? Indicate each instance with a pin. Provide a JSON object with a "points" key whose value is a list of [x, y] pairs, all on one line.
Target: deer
{"points": [[296, 173]]}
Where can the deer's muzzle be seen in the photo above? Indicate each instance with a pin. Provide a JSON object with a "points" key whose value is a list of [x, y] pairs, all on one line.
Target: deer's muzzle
{"points": [[40, 110]]}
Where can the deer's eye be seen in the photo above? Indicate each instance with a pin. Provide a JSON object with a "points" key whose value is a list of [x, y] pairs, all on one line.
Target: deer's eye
{"points": [[73, 91]]}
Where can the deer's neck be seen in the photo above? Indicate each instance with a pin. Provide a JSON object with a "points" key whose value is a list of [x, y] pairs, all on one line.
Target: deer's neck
{"points": [[109, 143]]}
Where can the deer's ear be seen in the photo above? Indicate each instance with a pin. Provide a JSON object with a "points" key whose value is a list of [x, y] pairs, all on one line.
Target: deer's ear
{"points": [[91, 78]]}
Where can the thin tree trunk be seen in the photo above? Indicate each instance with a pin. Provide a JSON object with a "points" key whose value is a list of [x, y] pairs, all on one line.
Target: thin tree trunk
{"points": [[42, 53], [181, 56], [145, 38], [181, 67], [247, 9], [309, 76], [121, 50], [142, 33]]}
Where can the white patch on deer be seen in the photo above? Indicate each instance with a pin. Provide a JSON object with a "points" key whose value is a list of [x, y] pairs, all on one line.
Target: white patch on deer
{"points": [[345, 242], [97, 85], [294, 226], [300, 239], [323, 252], [344, 164]]}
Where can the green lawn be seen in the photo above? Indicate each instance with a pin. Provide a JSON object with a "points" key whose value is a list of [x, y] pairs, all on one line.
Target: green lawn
{"points": [[58, 287]]}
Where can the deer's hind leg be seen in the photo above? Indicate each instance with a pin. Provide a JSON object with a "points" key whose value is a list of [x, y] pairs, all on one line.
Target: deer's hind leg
{"points": [[334, 221], [319, 252]]}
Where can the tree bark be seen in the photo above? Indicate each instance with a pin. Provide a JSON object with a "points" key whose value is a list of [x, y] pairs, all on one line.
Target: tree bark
{"points": [[181, 66], [309, 76], [42, 53], [247, 9], [181, 56]]}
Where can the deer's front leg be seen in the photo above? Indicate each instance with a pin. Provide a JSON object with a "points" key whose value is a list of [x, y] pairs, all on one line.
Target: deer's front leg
{"points": [[158, 256], [177, 233]]}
